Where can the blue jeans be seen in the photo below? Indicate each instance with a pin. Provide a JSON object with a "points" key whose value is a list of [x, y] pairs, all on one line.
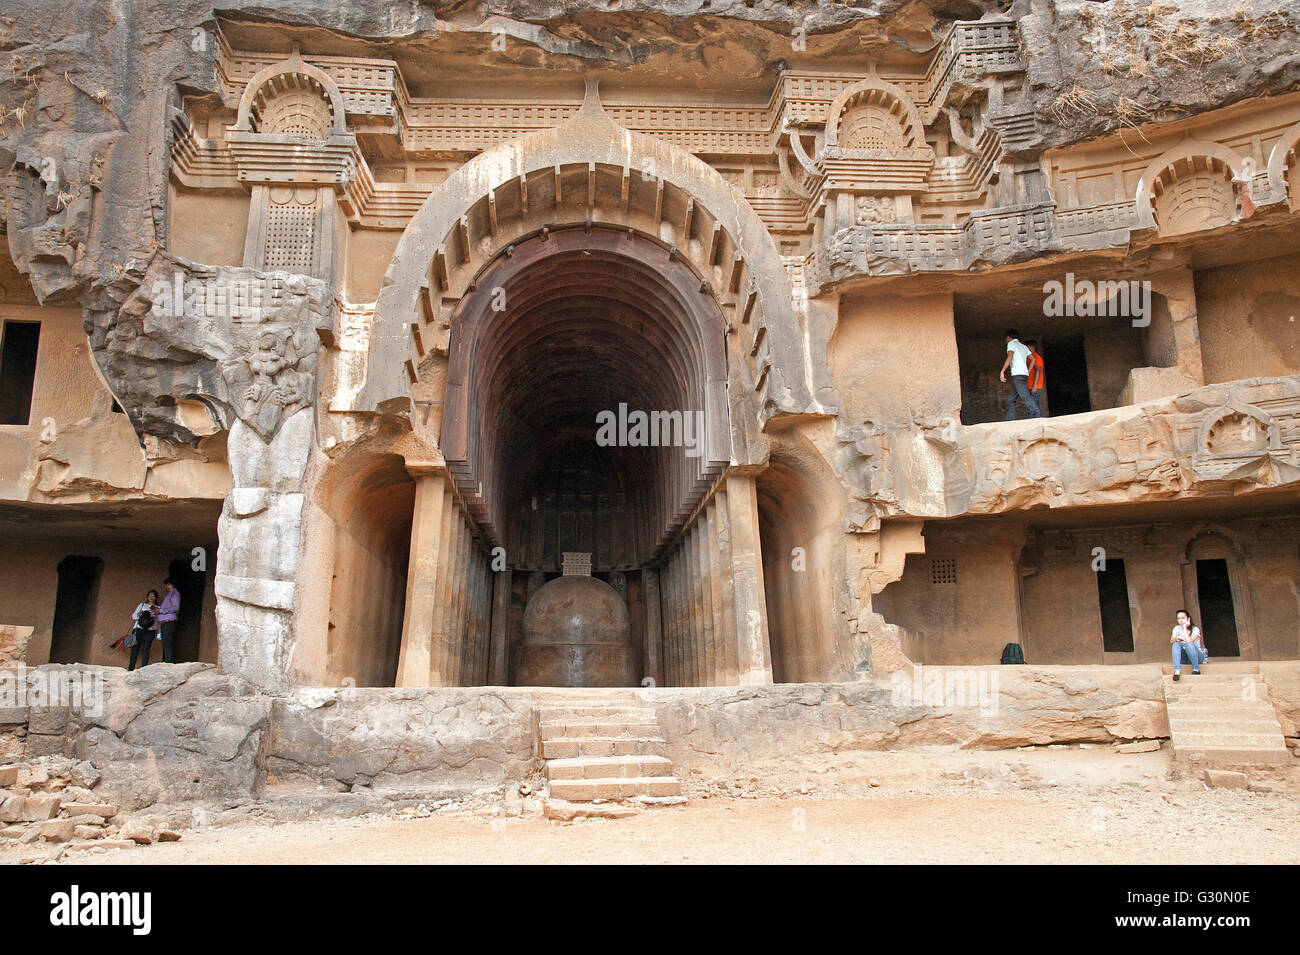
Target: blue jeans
{"points": [[1192, 653], [1020, 389]]}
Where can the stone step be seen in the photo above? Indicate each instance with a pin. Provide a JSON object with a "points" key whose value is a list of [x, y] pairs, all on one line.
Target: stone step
{"points": [[609, 767], [585, 790], [1234, 756], [1224, 716], [1220, 668], [595, 714], [1217, 693], [1228, 740], [586, 730], [1266, 723], [569, 747], [1208, 681]]}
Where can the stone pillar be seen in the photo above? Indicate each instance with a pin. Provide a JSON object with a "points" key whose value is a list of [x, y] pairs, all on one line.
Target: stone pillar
{"points": [[473, 672], [259, 553], [498, 666], [753, 652], [1183, 334], [653, 626], [674, 604], [415, 661], [704, 603], [695, 606], [712, 595], [727, 674], [440, 672], [460, 591]]}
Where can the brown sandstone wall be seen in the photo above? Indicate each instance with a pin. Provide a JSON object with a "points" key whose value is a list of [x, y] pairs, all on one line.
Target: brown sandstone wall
{"points": [[894, 358], [967, 622], [1249, 317], [128, 572], [208, 227]]}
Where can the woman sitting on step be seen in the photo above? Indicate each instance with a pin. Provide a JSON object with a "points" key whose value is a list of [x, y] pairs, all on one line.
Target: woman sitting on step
{"points": [[1187, 640]]}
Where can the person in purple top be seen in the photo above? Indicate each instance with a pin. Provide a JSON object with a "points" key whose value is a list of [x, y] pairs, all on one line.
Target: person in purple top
{"points": [[167, 617]]}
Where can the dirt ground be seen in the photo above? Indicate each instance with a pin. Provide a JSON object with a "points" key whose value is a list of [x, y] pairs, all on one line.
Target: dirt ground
{"points": [[1045, 805]]}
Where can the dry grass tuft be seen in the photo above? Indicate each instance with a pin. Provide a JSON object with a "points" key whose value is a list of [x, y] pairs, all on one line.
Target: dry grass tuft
{"points": [[1073, 104]]}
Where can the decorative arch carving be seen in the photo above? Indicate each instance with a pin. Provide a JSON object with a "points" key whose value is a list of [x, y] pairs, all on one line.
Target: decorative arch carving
{"points": [[1234, 441], [292, 98], [1282, 167], [873, 114], [1189, 187], [589, 173]]}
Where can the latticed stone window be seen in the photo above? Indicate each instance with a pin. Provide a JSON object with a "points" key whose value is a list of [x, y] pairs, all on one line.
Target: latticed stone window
{"points": [[291, 230], [943, 570], [577, 563]]}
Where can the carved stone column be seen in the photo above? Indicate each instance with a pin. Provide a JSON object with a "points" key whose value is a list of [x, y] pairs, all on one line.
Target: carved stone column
{"points": [[499, 665], [653, 626], [415, 660], [753, 652]]}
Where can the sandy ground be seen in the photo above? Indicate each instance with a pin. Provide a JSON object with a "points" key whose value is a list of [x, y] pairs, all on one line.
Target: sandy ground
{"points": [[1047, 805]]}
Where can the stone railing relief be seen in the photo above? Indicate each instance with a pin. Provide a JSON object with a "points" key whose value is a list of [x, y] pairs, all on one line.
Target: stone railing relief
{"points": [[1219, 439]]}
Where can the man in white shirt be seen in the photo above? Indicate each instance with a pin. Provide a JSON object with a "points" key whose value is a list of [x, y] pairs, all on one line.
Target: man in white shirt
{"points": [[1018, 364]]}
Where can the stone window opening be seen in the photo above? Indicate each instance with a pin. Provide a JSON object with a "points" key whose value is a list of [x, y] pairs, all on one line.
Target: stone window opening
{"points": [[943, 570], [75, 603], [1113, 604], [1096, 358], [19, 345]]}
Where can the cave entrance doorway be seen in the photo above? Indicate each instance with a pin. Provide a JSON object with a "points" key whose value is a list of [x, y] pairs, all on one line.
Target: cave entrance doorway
{"points": [[586, 414]]}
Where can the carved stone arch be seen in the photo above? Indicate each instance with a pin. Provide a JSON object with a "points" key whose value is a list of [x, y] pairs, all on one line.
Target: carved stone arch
{"points": [[1233, 441], [293, 84], [1189, 187], [801, 512], [619, 179], [1248, 430], [578, 302], [873, 114], [1214, 541], [1282, 167]]}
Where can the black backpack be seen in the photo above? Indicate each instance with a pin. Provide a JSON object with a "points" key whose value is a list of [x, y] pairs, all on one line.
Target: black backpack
{"points": [[144, 621], [1012, 653]]}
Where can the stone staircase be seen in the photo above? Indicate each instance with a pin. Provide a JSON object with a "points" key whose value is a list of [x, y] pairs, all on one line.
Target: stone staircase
{"points": [[604, 749], [1223, 717]]}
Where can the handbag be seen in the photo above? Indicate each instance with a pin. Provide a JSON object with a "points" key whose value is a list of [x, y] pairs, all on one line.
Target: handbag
{"points": [[120, 643]]}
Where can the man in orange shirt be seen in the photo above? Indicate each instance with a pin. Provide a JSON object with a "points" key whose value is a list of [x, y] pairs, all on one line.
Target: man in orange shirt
{"points": [[1037, 376]]}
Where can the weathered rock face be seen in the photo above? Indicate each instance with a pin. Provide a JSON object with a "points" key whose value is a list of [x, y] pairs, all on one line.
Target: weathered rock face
{"points": [[163, 733], [13, 645], [979, 707], [1098, 67], [402, 740], [185, 733]]}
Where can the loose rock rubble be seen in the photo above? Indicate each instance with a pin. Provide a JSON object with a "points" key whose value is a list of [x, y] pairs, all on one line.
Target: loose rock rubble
{"points": [[47, 803]]}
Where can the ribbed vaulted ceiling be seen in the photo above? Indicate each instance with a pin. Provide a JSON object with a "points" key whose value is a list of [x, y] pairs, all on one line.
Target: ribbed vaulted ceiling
{"points": [[590, 320]]}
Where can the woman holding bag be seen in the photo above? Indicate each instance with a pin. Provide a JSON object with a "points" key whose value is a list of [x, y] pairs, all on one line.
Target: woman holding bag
{"points": [[144, 629]]}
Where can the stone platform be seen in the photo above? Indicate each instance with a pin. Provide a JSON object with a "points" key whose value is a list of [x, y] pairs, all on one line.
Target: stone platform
{"points": [[187, 732]]}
